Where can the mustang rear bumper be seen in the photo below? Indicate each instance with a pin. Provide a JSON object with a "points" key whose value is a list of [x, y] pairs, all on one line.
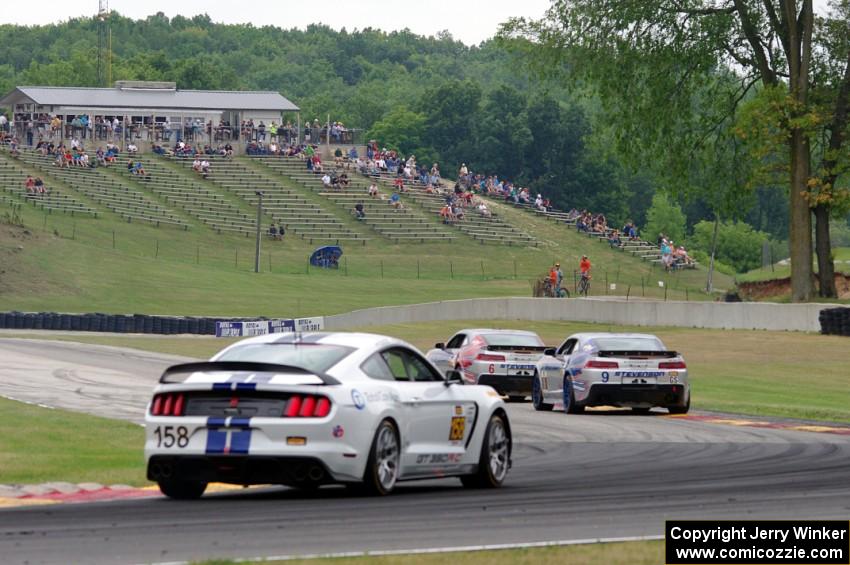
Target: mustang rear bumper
{"points": [[240, 470]]}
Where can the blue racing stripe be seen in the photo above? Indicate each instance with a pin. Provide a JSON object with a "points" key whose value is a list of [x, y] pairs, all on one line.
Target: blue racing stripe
{"points": [[240, 423], [216, 440], [215, 422], [246, 386], [222, 386], [240, 442]]}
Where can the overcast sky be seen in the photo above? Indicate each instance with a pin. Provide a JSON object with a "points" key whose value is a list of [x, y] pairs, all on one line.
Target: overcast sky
{"points": [[470, 21]]}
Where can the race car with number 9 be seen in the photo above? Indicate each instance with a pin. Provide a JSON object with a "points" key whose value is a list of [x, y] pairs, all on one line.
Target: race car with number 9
{"points": [[310, 409], [636, 371]]}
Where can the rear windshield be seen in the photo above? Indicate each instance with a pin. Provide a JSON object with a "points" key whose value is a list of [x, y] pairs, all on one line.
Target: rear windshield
{"points": [[513, 340], [628, 344], [317, 357]]}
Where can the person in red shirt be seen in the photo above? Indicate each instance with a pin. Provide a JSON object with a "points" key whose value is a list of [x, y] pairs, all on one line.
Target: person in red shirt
{"points": [[584, 266]]}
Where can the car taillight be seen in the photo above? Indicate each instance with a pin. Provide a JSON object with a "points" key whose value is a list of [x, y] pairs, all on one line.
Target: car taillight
{"points": [[594, 364], [490, 357], [307, 407], [170, 404], [672, 365]]}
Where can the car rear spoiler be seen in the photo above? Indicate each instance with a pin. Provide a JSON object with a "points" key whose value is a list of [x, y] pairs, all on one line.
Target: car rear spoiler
{"points": [[244, 366], [518, 347], [632, 353]]}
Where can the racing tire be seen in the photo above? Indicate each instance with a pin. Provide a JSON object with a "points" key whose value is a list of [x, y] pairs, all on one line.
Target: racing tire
{"points": [[570, 406], [680, 409], [182, 490], [384, 463], [640, 410], [537, 396], [495, 459]]}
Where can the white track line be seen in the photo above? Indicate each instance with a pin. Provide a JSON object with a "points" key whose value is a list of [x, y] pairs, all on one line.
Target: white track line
{"points": [[423, 551]]}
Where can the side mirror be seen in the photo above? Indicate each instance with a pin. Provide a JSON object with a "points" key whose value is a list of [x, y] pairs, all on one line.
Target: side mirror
{"points": [[453, 378], [550, 351], [440, 345]]}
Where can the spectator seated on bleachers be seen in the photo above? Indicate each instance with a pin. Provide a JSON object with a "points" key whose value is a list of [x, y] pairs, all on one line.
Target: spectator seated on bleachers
{"points": [[446, 214], [395, 202], [614, 238], [39, 187], [29, 184], [344, 181], [359, 211], [373, 190], [682, 258], [327, 182], [132, 149], [484, 210], [273, 232], [205, 168], [139, 170], [458, 212]]}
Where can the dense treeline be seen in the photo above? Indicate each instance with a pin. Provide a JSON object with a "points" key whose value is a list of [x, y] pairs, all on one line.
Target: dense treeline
{"points": [[432, 96]]}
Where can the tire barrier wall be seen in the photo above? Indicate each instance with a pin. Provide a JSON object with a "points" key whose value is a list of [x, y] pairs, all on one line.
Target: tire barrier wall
{"points": [[835, 321], [112, 323]]}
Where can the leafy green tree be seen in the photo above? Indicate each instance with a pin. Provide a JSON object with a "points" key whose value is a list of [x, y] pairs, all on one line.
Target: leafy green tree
{"points": [[664, 217], [738, 244], [402, 130]]}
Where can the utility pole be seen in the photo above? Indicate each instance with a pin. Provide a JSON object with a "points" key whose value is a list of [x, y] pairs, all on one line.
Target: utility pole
{"points": [[259, 193]]}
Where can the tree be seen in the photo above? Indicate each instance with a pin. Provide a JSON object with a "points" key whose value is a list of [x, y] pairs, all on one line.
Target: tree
{"points": [[738, 244], [664, 217], [402, 130], [647, 60]]}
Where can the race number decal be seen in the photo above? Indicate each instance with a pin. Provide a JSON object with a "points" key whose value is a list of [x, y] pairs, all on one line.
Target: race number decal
{"points": [[458, 428]]}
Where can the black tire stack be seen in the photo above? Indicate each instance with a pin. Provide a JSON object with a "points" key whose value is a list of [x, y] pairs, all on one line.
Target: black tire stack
{"points": [[113, 323], [835, 321]]}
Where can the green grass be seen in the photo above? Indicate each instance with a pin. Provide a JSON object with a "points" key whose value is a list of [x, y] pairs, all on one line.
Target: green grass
{"points": [[842, 265], [624, 553], [39, 444], [107, 265]]}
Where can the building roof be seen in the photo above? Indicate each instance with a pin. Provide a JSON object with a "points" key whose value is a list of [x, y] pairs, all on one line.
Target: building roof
{"points": [[165, 99]]}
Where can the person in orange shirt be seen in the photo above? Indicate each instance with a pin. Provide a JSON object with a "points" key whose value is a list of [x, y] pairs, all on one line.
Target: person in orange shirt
{"points": [[584, 266]]}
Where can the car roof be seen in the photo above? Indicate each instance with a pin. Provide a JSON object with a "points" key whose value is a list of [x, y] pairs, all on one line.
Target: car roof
{"points": [[594, 335], [349, 339], [495, 331]]}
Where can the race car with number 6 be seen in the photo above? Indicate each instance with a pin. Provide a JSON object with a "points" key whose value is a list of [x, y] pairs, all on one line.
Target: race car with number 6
{"points": [[503, 359], [611, 369], [309, 409]]}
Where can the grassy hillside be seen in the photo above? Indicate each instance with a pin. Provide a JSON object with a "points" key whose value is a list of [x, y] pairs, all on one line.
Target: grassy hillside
{"points": [[64, 263], [842, 265]]}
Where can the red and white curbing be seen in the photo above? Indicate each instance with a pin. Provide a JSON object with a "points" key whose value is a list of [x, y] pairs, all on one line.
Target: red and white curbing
{"points": [[58, 492]]}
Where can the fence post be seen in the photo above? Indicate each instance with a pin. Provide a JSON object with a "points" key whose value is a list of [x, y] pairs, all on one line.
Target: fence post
{"points": [[606, 283], [113, 239], [417, 269], [628, 292], [236, 259], [74, 231], [642, 288], [451, 270], [514, 269], [345, 262], [156, 253], [198, 254], [687, 296], [482, 271], [382, 268], [665, 291]]}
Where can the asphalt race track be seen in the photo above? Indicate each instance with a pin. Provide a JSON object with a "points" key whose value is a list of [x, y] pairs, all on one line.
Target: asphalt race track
{"points": [[599, 475]]}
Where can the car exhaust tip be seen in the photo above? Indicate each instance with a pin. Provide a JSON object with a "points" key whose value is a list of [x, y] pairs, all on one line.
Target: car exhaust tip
{"points": [[300, 474], [156, 471], [166, 471], [316, 473]]}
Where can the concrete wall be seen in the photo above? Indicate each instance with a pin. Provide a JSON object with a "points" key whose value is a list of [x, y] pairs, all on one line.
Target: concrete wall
{"points": [[720, 315]]}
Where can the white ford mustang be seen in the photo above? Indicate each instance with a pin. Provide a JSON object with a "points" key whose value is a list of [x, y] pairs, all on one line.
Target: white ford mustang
{"points": [[308, 409]]}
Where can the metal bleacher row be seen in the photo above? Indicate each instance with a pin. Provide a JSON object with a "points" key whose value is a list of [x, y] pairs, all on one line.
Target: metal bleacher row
{"points": [[399, 225], [409, 224], [12, 178], [121, 198], [300, 216]]}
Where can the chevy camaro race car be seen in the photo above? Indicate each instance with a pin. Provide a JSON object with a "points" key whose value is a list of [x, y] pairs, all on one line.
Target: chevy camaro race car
{"points": [[308, 409], [609, 369], [503, 359]]}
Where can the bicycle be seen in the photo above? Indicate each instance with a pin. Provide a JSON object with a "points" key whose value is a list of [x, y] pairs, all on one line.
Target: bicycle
{"points": [[584, 284], [547, 290]]}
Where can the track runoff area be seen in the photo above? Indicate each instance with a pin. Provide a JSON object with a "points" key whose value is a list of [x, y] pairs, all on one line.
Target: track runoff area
{"points": [[602, 476]]}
